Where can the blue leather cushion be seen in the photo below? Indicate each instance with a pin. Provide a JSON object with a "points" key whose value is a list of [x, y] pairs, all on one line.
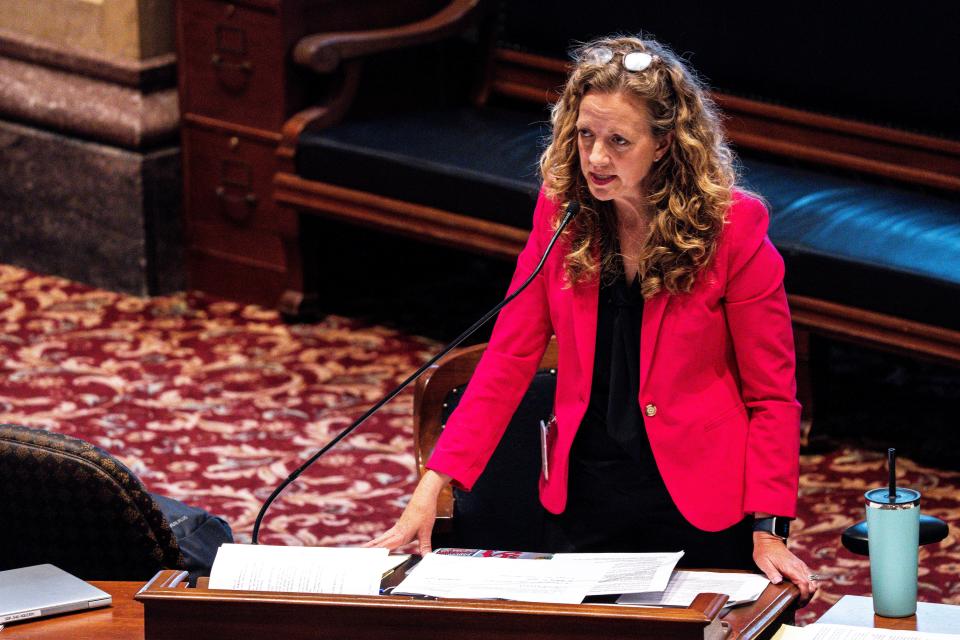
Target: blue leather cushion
{"points": [[867, 244], [478, 162]]}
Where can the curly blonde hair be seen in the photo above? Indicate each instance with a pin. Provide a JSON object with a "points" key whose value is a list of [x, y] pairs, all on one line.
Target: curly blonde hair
{"points": [[691, 187]]}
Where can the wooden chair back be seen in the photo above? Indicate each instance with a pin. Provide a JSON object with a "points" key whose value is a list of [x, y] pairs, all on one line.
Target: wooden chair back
{"points": [[437, 391]]}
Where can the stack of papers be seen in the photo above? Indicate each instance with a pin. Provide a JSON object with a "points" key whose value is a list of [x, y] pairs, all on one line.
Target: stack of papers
{"points": [[684, 586], [625, 572], [301, 569], [504, 578], [647, 579], [567, 578]]}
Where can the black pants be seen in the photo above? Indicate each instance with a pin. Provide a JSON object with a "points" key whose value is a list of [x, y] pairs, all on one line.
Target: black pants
{"points": [[620, 506]]}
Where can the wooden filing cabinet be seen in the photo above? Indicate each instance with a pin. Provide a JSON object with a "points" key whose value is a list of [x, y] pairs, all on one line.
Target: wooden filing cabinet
{"points": [[236, 90], [237, 87], [234, 56], [232, 173]]}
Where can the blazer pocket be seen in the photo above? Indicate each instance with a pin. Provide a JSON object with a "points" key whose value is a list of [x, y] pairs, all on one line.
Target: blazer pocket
{"points": [[723, 416]]}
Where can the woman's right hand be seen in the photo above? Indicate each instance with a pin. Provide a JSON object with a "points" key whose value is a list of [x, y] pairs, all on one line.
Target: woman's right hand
{"points": [[418, 518]]}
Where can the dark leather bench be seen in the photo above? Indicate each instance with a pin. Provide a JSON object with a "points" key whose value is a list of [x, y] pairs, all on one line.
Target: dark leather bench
{"points": [[861, 171]]}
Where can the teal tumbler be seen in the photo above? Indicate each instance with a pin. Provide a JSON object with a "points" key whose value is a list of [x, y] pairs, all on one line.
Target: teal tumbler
{"points": [[893, 537]]}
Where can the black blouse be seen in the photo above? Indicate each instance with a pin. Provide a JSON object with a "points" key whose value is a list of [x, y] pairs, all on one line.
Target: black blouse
{"points": [[613, 428], [616, 500]]}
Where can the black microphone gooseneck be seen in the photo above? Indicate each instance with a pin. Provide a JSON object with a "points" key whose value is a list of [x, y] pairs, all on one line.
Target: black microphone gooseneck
{"points": [[570, 212]]}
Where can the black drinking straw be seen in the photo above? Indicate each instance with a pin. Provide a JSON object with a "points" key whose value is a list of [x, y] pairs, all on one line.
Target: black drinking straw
{"points": [[892, 465]]}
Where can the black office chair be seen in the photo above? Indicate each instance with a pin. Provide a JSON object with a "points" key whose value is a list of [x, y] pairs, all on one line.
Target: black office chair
{"points": [[503, 510], [73, 505]]}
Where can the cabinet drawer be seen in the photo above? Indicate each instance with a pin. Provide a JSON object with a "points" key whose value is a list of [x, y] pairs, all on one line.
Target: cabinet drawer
{"points": [[230, 180], [232, 59]]}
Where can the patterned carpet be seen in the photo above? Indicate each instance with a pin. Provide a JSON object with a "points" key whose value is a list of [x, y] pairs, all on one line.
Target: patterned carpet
{"points": [[213, 403]]}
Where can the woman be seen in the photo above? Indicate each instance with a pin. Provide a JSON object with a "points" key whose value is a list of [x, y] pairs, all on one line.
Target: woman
{"points": [[676, 421]]}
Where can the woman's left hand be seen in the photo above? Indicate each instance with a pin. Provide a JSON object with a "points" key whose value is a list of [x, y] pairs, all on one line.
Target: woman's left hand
{"points": [[771, 555]]}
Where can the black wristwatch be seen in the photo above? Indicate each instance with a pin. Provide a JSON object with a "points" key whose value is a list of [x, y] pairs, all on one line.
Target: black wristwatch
{"points": [[776, 525]]}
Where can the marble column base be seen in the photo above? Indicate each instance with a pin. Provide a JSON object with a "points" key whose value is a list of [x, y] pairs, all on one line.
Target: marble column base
{"points": [[94, 109], [98, 214]]}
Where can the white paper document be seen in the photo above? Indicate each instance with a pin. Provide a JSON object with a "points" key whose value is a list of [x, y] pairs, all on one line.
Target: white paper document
{"points": [[818, 631], [625, 572], [684, 586], [299, 569], [505, 578]]}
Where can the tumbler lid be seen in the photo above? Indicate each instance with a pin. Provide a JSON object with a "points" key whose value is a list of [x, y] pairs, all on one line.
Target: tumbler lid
{"points": [[903, 497]]}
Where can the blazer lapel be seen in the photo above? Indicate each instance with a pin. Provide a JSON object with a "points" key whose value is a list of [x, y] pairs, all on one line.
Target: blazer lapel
{"points": [[585, 299], [653, 310]]}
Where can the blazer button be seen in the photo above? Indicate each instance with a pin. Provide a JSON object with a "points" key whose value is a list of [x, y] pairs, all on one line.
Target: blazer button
{"points": [[651, 410]]}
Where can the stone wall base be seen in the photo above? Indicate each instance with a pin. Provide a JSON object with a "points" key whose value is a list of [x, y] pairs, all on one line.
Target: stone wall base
{"points": [[90, 212]]}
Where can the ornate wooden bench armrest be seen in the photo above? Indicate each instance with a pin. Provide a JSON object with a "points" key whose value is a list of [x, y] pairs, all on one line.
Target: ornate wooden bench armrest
{"points": [[324, 52]]}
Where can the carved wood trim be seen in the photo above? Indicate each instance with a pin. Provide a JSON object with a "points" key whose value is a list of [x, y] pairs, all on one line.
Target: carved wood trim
{"points": [[871, 328], [847, 127], [846, 144], [528, 77], [398, 216], [324, 52], [219, 126], [544, 64], [319, 116], [866, 148]]}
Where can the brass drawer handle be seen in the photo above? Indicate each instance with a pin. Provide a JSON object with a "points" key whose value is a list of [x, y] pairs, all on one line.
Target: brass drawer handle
{"points": [[217, 61], [237, 208]]}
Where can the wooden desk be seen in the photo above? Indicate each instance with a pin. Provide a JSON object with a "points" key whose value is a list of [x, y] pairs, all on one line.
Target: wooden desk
{"points": [[858, 611], [121, 621]]}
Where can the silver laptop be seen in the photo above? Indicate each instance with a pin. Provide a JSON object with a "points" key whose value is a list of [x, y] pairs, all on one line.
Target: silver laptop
{"points": [[44, 590]]}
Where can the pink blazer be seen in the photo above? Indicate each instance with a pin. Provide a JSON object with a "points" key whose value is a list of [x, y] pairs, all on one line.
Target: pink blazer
{"points": [[717, 385]]}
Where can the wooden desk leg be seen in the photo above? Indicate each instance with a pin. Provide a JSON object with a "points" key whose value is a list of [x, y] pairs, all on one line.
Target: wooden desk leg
{"points": [[299, 301]]}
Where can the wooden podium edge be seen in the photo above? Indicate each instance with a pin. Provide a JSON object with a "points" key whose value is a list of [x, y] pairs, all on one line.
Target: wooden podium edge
{"points": [[758, 619], [168, 585], [169, 606]]}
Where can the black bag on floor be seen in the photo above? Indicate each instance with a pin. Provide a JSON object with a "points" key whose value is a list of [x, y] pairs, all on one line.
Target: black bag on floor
{"points": [[199, 534]]}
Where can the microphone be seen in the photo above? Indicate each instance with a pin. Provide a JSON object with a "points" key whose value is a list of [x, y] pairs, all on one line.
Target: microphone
{"points": [[572, 209]]}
